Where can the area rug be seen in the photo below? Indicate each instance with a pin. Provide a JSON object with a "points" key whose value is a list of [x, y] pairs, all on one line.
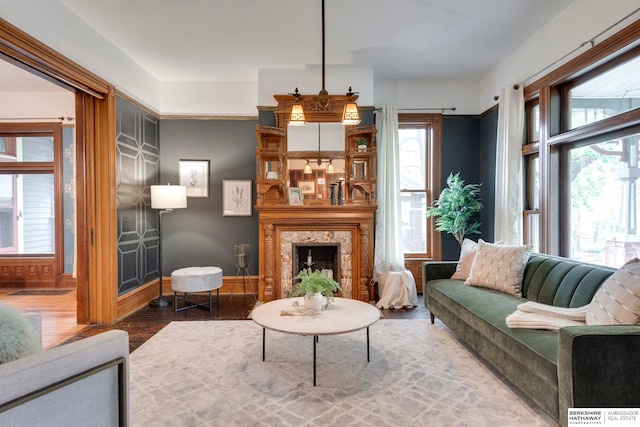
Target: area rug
{"points": [[211, 373]]}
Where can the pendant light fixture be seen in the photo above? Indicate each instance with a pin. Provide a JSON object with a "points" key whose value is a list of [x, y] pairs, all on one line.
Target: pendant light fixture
{"points": [[350, 114]]}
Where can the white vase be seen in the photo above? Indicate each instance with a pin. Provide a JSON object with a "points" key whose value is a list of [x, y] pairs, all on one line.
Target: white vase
{"points": [[314, 302]]}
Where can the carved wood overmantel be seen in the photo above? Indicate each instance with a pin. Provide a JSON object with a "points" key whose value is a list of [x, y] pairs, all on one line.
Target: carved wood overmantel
{"points": [[345, 221], [282, 226]]}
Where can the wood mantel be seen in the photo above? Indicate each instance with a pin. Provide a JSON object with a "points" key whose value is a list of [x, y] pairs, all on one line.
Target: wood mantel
{"points": [[313, 222]]}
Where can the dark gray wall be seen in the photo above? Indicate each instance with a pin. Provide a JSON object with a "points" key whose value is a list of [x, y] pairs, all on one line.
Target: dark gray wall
{"points": [[469, 147], [459, 154], [199, 235], [137, 160], [488, 131]]}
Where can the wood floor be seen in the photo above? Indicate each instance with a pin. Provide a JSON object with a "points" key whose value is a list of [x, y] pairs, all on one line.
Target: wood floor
{"points": [[59, 321]]}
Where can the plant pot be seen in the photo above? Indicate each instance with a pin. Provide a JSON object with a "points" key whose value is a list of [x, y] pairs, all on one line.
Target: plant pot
{"points": [[362, 148], [314, 302]]}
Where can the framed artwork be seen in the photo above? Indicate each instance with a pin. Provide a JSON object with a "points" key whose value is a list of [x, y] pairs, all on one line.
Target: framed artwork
{"points": [[236, 198], [307, 187], [194, 174], [296, 197]]}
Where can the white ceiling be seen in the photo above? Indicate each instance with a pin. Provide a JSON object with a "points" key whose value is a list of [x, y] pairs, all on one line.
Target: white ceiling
{"points": [[229, 40]]}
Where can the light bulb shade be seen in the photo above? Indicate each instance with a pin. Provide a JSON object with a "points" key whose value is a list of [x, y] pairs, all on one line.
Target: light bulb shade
{"points": [[330, 168], [350, 114], [307, 168], [297, 116], [168, 196]]}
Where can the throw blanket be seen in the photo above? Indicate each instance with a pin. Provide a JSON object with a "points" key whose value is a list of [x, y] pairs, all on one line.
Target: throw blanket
{"points": [[532, 315], [399, 290]]}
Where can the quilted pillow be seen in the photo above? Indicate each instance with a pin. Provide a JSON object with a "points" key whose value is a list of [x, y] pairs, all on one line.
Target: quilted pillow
{"points": [[617, 302], [467, 254], [499, 267]]}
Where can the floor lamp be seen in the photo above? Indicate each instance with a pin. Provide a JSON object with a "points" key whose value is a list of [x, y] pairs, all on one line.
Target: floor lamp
{"points": [[166, 198]]}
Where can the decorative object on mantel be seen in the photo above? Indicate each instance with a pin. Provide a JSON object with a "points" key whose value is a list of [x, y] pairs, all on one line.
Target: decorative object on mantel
{"points": [[362, 144], [350, 114], [315, 287], [296, 197]]}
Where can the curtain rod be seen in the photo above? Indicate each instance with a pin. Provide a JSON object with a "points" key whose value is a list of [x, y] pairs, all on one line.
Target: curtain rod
{"points": [[13, 119], [423, 109], [591, 41]]}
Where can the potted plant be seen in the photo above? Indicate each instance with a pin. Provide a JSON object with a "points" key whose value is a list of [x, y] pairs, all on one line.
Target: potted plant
{"points": [[456, 208], [362, 144], [315, 287]]}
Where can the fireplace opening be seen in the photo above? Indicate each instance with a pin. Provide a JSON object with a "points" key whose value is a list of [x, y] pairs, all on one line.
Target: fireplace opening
{"points": [[317, 256]]}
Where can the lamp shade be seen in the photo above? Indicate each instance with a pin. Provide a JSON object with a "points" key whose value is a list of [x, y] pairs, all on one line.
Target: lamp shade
{"points": [[330, 167], [168, 196], [297, 117], [307, 168], [350, 114]]}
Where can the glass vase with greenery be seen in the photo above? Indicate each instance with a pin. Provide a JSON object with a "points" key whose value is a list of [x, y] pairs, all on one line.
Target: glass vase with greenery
{"points": [[456, 208]]}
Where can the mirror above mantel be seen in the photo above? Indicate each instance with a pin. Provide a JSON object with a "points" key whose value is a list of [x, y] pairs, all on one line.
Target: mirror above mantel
{"points": [[328, 149]]}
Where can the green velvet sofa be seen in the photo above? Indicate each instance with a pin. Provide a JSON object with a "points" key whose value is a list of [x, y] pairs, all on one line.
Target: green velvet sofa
{"points": [[578, 366]]}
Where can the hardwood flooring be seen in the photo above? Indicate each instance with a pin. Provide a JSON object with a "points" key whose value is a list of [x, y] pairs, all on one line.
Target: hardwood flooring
{"points": [[59, 321], [58, 312]]}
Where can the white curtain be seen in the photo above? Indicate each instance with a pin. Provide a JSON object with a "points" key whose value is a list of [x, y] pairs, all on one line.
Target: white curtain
{"points": [[388, 244], [508, 209]]}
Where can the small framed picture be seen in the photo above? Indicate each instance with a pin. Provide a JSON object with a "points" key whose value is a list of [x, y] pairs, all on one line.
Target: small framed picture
{"points": [[194, 174], [296, 197], [236, 198], [307, 187]]}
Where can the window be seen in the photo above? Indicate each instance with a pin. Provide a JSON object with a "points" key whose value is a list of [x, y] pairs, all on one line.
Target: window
{"points": [[605, 94], [416, 135], [581, 154], [28, 196], [413, 154], [603, 200]]}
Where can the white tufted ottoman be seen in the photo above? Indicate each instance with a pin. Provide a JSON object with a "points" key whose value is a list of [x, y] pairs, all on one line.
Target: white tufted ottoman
{"points": [[196, 279]]}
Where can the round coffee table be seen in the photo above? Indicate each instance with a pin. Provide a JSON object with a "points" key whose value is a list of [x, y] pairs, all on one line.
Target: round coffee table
{"points": [[342, 316]]}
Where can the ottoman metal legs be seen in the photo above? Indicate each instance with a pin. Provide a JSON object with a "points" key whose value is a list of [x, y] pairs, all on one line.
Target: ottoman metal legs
{"points": [[188, 304]]}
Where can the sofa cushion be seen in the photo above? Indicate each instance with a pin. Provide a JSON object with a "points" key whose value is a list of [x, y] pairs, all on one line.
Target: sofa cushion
{"points": [[17, 337], [617, 302], [467, 254], [562, 282], [485, 312], [499, 267]]}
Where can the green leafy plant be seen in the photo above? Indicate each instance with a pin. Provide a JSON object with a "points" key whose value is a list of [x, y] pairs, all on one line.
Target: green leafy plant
{"points": [[311, 282], [456, 208]]}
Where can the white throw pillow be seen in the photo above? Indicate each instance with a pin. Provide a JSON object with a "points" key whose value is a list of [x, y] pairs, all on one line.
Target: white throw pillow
{"points": [[467, 254], [499, 267], [617, 302]]}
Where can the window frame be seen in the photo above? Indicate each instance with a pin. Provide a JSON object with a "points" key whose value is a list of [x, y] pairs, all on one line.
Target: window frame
{"points": [[553, 91], [432, 123], [54, 130]]}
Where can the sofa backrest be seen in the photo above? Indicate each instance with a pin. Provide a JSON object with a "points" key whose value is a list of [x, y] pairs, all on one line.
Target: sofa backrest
{"points": [[562, 282]]}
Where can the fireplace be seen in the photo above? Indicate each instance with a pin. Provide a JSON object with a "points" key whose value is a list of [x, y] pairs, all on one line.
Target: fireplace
{"points": [[317, 256], [287, 233]]}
